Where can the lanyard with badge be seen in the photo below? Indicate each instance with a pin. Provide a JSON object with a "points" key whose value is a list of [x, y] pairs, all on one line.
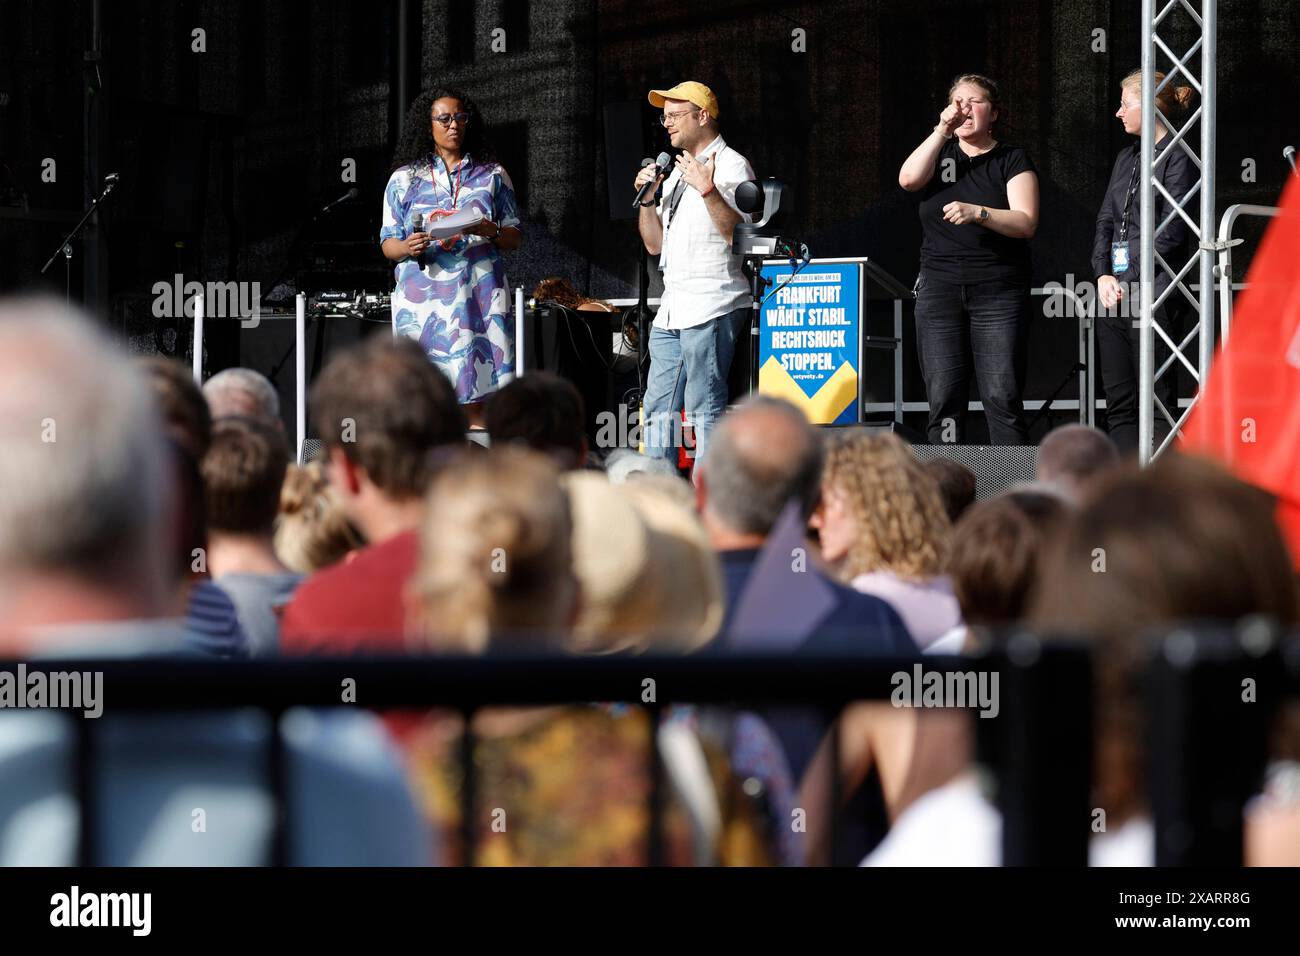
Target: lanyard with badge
{"points": [[678, 192], [1119, 261], [674, 200], [453, 191]]}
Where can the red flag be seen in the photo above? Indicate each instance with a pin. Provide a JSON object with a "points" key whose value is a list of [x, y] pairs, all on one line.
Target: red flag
{"points": [[1249, 413]]}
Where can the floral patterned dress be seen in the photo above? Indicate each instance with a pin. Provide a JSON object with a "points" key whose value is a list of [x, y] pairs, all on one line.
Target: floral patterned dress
{"points": [[570, 789], [455, 300]]}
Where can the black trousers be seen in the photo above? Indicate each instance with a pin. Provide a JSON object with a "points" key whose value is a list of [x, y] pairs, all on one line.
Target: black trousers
{"points": [[979, 327], [1118, 344]]}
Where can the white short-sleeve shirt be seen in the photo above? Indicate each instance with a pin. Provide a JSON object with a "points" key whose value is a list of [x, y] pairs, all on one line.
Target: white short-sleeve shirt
{"points": [[702, 279]]}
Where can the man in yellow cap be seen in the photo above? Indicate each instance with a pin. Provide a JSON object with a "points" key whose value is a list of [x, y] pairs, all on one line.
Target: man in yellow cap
{"points": [[705, 306]]}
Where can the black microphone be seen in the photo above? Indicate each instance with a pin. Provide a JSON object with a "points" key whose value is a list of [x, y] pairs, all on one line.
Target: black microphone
{"points": [[346, 197], [661, 167], [417, 225], [1289, 155]]}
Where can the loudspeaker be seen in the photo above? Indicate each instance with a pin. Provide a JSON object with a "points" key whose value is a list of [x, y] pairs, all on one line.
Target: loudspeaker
{"points": [[996, 467], [269, 348], [577, 345], [624, 150], [313, 449], [183, 186]]}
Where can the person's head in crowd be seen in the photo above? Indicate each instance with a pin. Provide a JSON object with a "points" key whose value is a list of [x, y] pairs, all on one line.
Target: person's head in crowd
{"points": [[880, 511], [956, 485], [188, 424], [1073, 457], [185, 411], [1179, 541], [541, 411], [503, 568], [311, 531], [381, 408], [996, 552], [623, 463], [761, 456], [243, 473], [673, 486], [245, 393], [648, 575], [87, 481]]}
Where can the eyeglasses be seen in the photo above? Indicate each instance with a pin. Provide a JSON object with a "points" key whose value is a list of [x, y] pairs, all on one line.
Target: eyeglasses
{"points": [[446, 118], [672, 118]]}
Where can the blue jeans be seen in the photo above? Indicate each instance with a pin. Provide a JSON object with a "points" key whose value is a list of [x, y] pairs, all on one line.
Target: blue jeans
{"points": [[977, 327], [688, 368]]}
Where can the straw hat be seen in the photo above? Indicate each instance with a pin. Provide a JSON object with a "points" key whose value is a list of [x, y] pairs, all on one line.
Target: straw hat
{"points": [[648, 576]]}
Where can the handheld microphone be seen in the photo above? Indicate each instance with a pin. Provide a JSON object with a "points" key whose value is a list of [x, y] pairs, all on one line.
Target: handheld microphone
{"points": [[417, 225], [661, 166], [1289, 155], [347, 196]]}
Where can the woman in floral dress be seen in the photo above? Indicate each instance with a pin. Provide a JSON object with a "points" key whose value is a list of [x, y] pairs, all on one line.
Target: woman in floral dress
{"points": [[451, 294]]}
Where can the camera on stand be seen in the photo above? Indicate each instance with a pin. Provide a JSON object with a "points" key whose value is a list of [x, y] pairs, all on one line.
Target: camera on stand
{"points": [[771, 202]]}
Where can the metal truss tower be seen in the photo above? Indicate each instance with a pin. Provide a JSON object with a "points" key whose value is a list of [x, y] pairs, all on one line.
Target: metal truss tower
{"points": [[1184, 277]]}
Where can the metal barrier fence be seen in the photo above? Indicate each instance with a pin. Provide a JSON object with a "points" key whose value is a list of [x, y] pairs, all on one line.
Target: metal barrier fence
{"points": [[1207, 752]]}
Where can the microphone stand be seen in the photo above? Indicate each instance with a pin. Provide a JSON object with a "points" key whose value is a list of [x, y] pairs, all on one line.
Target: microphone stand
{"points": [[752, 267], [1074, 370], [65, 247], [294, 249], [642, 312]]}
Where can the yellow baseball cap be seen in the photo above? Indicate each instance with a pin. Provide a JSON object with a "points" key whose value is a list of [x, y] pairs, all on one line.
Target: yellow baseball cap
{"points": [[691, 92]]}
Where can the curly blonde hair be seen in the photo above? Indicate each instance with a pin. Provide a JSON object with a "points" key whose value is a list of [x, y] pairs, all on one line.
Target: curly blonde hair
{"points": [[901, 522], [311, 530]]}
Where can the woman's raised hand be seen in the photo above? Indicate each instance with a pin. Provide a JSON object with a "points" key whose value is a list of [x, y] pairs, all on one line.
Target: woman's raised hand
{"points": [[952, 116]]}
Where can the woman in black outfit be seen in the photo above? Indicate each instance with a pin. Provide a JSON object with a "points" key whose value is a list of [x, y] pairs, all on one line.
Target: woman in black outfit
{"points": [[979, 208], [1116, 262]]}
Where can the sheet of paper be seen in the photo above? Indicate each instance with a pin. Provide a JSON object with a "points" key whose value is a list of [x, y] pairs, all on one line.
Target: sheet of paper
{"points": [[446, 226]]}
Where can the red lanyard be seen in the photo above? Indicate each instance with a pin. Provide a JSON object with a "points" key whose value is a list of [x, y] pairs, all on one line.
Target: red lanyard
{"points": [[455, 195]]}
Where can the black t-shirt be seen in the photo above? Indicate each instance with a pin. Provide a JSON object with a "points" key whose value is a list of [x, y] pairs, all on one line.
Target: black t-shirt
{"points": [[972, 253]]}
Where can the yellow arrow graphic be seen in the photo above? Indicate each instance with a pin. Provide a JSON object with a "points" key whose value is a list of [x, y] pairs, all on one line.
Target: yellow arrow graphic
{"points": [[836, 394]]}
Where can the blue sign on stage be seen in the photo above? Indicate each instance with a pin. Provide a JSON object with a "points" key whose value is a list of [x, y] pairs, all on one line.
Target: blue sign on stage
{"points": [[809, 348]]}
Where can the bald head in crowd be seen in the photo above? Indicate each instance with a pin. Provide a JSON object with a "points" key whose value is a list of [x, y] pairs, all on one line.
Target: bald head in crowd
{"points": [[85, 472], [761, 456], [243, 393], [1072, 457]]}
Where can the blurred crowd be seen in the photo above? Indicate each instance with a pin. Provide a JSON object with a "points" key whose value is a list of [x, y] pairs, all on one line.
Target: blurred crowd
{"points": [[142, 516]]}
